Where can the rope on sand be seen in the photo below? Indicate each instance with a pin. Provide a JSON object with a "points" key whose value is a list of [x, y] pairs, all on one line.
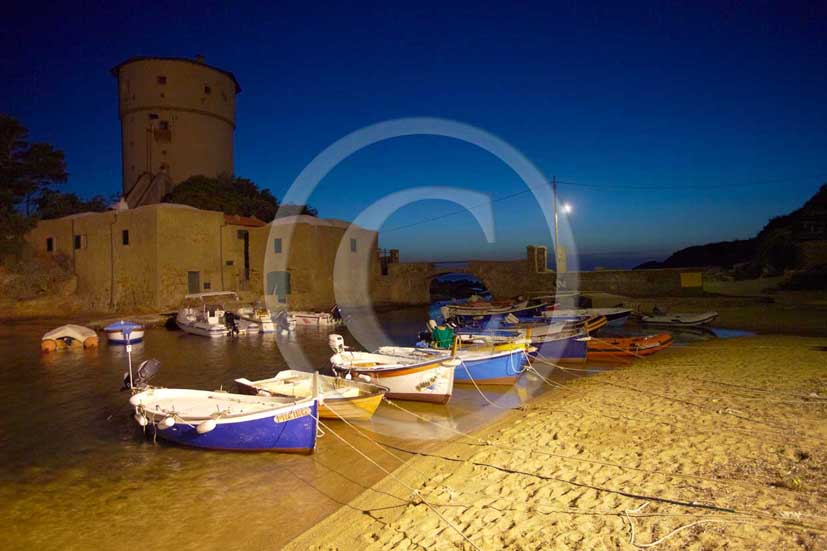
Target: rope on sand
{"points": [[414, 492], [511, 449], [673, 532]]}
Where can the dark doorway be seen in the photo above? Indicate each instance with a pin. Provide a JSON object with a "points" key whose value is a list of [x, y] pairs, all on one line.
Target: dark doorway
{"points": [[245, 236], [193, 282], [278, 284]]}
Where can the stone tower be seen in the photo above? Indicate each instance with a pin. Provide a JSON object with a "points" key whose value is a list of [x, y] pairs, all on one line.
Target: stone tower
{"points": [[177, 120]]}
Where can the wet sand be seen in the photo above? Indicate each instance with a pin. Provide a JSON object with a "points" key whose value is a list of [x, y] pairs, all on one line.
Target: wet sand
{"points": [[716, 445]]}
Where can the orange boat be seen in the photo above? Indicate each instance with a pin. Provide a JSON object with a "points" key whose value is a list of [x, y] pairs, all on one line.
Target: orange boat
{"points": [[623, 347]]}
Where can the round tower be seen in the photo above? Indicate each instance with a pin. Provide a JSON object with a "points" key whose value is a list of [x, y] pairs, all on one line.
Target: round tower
{"points": [[177, 120]]}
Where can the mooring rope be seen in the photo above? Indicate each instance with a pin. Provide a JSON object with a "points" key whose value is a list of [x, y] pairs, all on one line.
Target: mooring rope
{"points": [[481, 393], [414, 491]]}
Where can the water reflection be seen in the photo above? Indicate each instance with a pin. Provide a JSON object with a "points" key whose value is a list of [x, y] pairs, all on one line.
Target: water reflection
{"points": [[76, 472]]}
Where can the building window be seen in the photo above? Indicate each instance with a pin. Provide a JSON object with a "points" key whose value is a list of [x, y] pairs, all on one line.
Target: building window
{"points": [[207, 285], [277, 245], [353, 245], [229, 262], [242, 234], [162, 79], [78, 241], [125, 237], [207, 90], [163, 125], [50, 244]]}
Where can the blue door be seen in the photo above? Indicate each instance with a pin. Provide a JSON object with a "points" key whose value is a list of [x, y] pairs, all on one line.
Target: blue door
{"points": [[278, 284]]}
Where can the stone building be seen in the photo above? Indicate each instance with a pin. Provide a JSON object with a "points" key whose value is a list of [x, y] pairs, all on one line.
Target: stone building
{"points": [[151, 256], [177, 120]]}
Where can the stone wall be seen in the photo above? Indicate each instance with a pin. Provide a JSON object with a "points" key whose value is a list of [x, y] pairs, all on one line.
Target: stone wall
{"points": [[409, 283]]}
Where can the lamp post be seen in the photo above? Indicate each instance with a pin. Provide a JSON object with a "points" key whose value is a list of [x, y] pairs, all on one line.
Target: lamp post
{"points": [[566, 209]]}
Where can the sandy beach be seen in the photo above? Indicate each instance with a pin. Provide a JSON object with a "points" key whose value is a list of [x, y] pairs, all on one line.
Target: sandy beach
{"points": [[715, 445]]}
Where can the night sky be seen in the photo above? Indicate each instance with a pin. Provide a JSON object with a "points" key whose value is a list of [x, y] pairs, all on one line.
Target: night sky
{"points": [[678, 126]]}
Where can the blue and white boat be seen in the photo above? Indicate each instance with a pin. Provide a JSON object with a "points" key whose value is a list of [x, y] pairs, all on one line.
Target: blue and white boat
{"points": [[124, 332], [557, 341], [224, 421], [482, 359], [490, 368]]}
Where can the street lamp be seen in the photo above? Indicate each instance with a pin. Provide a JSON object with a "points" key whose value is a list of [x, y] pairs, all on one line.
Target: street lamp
{"points": [[566, 207]]}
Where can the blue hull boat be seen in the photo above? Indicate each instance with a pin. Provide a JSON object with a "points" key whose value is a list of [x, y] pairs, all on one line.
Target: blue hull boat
{"points": [[486, 368], [562, 348], [224, 421]]}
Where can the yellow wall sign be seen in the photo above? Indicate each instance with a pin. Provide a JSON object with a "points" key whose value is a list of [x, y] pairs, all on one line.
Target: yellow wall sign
{"points": [[692, 279], [290, 415]]}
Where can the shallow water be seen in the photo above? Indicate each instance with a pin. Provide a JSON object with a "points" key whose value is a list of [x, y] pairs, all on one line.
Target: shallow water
{"points": [[76, 472]]}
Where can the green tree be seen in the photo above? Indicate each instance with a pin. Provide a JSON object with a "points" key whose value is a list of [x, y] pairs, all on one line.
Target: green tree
{"points": [[26, 171], [54, 204], [230, 195]]}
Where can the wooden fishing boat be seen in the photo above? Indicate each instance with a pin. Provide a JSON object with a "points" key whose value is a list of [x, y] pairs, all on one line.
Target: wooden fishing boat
{"points": [[679, 320], [422, 376], [224, 421], [614, 316], [613, 348], [339, 398], [69, 336]]}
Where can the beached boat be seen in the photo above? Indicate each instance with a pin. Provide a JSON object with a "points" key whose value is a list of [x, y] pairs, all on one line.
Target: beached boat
{"points": [[487, 357], [614, 316], [213, 315], [423, 376], [124, 332], [338, 398], [561, 340], [68, 336], [679, 320], [220, 420], [629, 347], [520, 310]]}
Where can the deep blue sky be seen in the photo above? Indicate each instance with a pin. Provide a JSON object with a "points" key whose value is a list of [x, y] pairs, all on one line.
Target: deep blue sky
{"points": [[622, 97]]}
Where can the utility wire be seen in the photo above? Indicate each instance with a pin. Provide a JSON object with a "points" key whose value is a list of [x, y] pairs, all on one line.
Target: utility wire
{"points": [[454, 213], [608, 188]]}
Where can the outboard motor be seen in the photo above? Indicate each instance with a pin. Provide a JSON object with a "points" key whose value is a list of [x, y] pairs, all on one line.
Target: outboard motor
{"points": [[284, 322], [141, 377], [336, 343], [231, 322]]}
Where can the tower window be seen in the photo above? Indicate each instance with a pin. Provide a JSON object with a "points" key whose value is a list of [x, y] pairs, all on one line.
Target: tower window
{"points": [[353, 245], [162, 79], [125, 237], [277, 245], [207, 90]]}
